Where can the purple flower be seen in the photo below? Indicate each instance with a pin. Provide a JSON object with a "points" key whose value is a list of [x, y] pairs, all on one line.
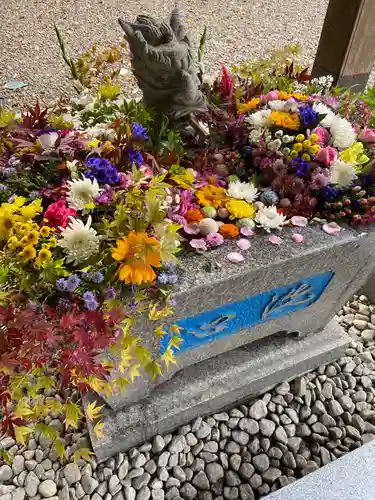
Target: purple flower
{"points": [[90, 301], [64, 304], [300, 166], [308, 116], [214, 240], [139, 133], [173, 278], [329, 193], [173, 302], [110, 294], [33, 195], [61, 285], [9, 172], [3, 188], [97, 277], [319, 179], [72, 283], [101, 170], [163, 278], [135, 157]]}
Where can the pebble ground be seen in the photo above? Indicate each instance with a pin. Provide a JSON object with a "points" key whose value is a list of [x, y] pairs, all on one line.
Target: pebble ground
{"points": [[244, 453]]}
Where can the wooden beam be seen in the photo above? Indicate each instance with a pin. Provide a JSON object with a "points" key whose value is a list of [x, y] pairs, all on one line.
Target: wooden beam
{"points": [[347, 43]]}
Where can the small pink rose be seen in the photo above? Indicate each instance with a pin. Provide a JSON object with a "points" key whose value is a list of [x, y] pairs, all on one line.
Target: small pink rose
{"points": [[299, 221], [198, 244], [246, 231], [331, 228], [298, 238], [243, 244], [327, 156], [275, 240], [323, 135], [367, 135], [235, 257]]}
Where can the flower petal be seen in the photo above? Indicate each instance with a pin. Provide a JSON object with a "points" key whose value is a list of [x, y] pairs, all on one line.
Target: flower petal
{"points": [[235, 257], [331, 228], [298, 220], [246, 231], [191, 229], [275, 240], [298, 238], [243, 244]]}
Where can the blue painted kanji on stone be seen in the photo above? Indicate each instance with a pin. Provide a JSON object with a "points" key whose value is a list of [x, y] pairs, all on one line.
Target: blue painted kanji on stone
{"points": [[229, 319]]}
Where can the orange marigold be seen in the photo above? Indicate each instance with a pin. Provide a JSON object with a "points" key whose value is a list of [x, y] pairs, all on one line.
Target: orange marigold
{"points": [[194, 215], [283, 119], [139, 251], [229, 230], [248, 106], [212, 196]]}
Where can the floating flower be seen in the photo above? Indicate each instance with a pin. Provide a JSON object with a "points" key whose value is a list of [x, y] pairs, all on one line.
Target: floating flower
{"points": [[275, 240], [331, 228], [299, 221], [240, 209], [198, 244], [212, 196], [140, 252], [79, 241], [243, 244], [242, 191], [229, 230], [235, 257], [269, 218], [214, 239], [82, 193], [102, 170], [57, 215], [342, 174]]}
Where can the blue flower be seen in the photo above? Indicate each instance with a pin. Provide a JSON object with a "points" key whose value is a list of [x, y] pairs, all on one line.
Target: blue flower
{"points": [[101, 170], [300, 166], [308, 116], [110, 294], [163, 278], [61, 285], [139, 133], [329, 193], [64, 304], [72, 283], [90, 301], [97, 277], [135, 157]]}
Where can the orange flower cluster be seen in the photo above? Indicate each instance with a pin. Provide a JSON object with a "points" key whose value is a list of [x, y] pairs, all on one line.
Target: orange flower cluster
{"points": [[248, 106], [229, 230], [194, 215], [286, 120], [139, 251], [284, 96]]}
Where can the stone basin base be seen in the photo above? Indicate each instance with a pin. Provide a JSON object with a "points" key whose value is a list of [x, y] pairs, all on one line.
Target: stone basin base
{"points": [[215, 384]]}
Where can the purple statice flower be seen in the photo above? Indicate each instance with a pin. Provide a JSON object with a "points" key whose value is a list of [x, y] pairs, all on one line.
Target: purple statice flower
{"points": [[139, 133], [64, 304], [163, 278], [33, 195], [61, 285], [72, 283], [9, 172], [172, 279], [308, 116], [90, 301], [97, 277], [110, 294], [106, 196], [170, 266], [102, 170], [135, 157], [3, 188]]}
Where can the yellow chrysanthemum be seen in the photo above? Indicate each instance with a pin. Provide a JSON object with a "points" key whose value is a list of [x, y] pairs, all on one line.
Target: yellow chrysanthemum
{"points": [[28, 253], [211, 196], [139, 252], [248, 106], [286, 120], [240, 209]]}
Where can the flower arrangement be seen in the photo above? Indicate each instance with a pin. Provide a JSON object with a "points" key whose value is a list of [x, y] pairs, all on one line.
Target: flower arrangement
{"points": [[99, 197]]}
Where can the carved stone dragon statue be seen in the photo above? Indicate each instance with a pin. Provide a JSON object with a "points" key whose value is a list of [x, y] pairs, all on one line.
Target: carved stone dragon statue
{"points": [[163, 65]]}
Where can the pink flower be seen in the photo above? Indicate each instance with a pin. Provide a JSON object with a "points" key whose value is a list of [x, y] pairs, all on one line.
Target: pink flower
{"points": [[214, 240], [368, 135], [198, 244], [273, 95], [327, 156], [323, 135], [125, 180], [186, 201]]}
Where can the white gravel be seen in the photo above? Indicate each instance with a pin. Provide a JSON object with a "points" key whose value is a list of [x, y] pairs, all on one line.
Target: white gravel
{"points": [[237, 30]]}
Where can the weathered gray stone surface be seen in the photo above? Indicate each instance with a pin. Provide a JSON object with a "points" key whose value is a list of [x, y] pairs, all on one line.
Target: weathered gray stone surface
{"points": [[215, 384], [348, 255], [350, 477]]}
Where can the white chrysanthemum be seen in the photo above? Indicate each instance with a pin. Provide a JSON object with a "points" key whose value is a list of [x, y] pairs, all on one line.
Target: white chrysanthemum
{"points": [[259, 118], [255, 136], [322, 109], [82, 192], [291, 105], [242, 191], [342, 133], [79, 241], [268, 218], [277, 105], [342, 174]]}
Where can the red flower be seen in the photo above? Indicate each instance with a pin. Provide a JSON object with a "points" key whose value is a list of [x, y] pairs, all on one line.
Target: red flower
{"points": [[57, 214]]}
